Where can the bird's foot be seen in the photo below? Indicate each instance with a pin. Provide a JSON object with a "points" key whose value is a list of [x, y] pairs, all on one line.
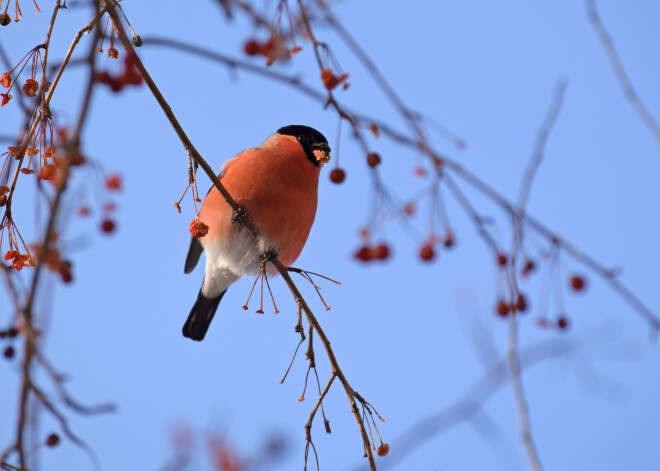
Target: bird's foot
{"points": [[268, 255], [238, 216]]}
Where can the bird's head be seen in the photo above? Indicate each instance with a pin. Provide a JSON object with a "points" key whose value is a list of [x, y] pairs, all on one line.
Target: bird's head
{"points": [[313, 142]]}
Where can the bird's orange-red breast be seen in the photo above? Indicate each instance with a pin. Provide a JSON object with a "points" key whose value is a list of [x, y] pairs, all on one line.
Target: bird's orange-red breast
{"points": [[276, 184]]}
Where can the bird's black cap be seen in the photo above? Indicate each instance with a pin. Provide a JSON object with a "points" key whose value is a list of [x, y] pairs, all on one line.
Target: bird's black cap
{"points": [[309, 138]]}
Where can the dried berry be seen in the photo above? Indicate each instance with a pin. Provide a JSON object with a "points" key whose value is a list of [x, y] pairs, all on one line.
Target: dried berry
{"points": [[501, 259], [198, 228], [137, 40], [338, 175], [5, 19], [6, 80], [31, 87], [383, 449], [521, 303]]}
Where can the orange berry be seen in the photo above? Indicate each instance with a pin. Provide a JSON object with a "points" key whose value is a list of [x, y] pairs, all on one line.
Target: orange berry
{"points": [[373, 159], [47, 172], [4, 190], [374, 129], [198, 228], [338, 175], [427, 253], [3, 200], [31, 87], [383, 449], [6, 80], [5, 98], [113, 182]]}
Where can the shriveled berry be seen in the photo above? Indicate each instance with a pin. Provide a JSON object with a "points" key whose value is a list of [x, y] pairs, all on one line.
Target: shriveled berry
{"points": [[502, 308], [52, 440], [107, 226], [521, 303], [137, 40], [338, 175], [577, 283], [364, 253], [5, 19], [198, 228], [373, 159], [427, 253], [380, 252]]}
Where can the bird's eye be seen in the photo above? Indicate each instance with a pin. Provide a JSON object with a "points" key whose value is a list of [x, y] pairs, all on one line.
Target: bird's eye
{"points": [[299, 138]]}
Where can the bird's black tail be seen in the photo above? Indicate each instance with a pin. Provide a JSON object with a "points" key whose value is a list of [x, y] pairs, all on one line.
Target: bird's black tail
{"points": [[201, 316]]}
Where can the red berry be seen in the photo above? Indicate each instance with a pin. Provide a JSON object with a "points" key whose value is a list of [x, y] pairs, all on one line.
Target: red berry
{"points": [[527, 269], [337, 175], [449, 239], [380, 252], [562, 323], [373, 159], [427, 253], [501, 259], [502, 308], [521, 303], [108, 226], [52, 440], [577, 283], [364, 254], [251, 47], [9, 352]]}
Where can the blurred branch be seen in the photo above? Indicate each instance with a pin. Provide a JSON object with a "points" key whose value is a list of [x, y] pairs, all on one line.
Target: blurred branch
{"points": [[476, 396], [619, 71], [513, 357]]}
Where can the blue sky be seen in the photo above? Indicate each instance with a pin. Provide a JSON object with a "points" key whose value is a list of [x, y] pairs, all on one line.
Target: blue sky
{"points": [[406, 333]]}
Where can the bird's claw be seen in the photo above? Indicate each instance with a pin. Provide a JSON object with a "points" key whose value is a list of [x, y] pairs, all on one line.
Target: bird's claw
{"points": [[268, 255], [238, 216]]}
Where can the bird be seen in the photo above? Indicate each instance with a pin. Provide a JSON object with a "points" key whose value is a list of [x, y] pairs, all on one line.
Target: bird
{"points": [[276, 187]]}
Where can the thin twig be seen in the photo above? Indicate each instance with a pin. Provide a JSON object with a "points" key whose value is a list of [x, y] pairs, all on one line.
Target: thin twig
{"points": [[619, 71]]}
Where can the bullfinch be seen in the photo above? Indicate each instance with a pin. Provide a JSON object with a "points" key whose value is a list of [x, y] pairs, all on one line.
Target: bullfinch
{"points": [[276, 185]]}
